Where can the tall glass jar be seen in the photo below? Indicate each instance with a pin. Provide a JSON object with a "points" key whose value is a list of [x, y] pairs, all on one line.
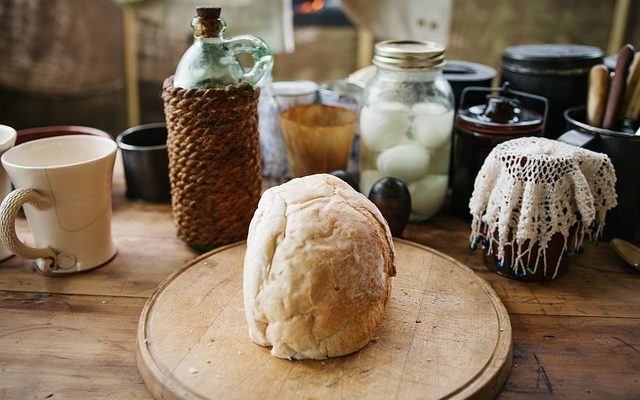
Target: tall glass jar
{"points": [[406, 122]]}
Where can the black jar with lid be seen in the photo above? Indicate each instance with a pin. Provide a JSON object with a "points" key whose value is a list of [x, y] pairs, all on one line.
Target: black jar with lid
{"points": [[503, 115], [558, 72]]}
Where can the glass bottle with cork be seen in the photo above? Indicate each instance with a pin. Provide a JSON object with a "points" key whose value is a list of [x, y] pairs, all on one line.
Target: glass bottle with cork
{"points": [[213, 143], [212, 61]]}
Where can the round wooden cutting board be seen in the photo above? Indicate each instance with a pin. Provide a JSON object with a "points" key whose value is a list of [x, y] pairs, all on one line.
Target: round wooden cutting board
{"points": [[446, 334]]}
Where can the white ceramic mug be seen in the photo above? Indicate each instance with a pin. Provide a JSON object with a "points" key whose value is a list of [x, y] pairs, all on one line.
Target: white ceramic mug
{"points": [[64, 184], [7, 140]]}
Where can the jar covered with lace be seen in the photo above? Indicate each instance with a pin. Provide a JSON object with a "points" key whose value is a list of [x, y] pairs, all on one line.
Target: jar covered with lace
{"points": [[534, 202]]}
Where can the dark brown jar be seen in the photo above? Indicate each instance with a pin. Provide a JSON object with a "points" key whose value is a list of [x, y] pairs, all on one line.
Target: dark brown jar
{"points": [[479, 128]]}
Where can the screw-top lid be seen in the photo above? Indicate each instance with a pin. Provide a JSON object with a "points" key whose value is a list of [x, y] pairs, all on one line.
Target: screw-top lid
{"points": [[408, 54]]}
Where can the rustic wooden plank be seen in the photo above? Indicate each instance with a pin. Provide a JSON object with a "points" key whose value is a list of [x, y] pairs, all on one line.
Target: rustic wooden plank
{"points": [[140, 264], [574, 358], [80, 347]]}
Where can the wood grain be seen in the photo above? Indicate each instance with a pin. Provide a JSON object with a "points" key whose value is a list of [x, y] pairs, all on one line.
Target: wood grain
{"points": [[68, 347], [574, 357], [445, 334]]}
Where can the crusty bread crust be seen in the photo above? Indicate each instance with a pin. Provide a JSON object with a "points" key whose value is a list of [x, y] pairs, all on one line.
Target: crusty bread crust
{"points": [[317, 269]]}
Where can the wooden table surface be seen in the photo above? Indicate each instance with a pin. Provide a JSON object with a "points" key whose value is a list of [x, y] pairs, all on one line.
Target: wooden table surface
{"points": [[74, 336]]}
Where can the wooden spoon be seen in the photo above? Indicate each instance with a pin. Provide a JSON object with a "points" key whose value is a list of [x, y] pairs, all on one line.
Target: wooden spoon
{"points": [[616, 94], [597, 96]]}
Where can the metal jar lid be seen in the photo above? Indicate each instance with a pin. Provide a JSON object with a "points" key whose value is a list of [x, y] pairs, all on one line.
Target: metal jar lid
{"points": [[552, 59], [408, 54]]}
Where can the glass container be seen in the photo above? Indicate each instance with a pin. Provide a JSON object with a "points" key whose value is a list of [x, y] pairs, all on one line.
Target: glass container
{"points": [[406, 122], [211, 60]]}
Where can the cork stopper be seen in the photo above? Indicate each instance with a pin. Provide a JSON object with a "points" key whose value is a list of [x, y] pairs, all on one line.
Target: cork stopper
{"points": [[207, 22], [208, 12]]}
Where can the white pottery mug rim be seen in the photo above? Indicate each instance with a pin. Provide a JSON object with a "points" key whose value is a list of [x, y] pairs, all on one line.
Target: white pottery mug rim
{"points": [[8, 163]]}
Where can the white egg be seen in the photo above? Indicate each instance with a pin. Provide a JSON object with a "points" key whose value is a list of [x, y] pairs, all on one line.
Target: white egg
{"points": [[428, 195], [407, 162], [440, 160], [432, 124], [383, 125], [368, 178]]}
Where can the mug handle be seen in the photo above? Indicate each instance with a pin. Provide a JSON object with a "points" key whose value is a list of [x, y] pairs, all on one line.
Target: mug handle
{"points": [[45, 256]]}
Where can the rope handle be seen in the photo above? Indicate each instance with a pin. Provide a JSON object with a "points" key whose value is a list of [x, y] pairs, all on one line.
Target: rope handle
{"points": [[8, 211]]}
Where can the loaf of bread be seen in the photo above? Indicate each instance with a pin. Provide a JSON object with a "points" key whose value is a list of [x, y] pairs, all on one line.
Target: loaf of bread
{"points": [[318, 268]]}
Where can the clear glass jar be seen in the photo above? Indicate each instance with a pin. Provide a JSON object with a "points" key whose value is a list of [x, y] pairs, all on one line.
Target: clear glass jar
{"points": [[406, 123]]}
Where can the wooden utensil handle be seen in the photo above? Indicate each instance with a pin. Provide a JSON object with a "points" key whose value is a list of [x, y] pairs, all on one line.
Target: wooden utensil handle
{"points": [[616, 94], [597, 96], [633, 108], [632, 93]]}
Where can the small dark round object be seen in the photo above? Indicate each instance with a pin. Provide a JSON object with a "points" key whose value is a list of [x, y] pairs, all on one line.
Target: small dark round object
{"points": [[393, 199], [345, 176]]}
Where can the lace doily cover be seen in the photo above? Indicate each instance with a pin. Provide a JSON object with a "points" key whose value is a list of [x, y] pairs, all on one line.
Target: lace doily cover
{"points": [[529, 189]]}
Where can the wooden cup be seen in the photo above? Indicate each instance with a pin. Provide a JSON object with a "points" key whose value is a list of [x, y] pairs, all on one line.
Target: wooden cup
{"points": [[318, 138]]}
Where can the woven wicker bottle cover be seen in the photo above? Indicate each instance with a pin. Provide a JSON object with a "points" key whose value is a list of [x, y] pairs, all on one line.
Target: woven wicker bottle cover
{"points": [[533, 203], [214, 161]]}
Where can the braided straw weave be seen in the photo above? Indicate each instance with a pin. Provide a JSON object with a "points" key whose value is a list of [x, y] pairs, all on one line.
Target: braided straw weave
{"points": [[214, 161]]}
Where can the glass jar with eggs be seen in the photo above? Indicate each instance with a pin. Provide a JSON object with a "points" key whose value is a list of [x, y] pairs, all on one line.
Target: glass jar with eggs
{"points": [[406, 122]]}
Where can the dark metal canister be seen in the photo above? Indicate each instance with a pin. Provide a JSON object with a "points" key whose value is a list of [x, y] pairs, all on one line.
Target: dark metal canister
{"points": [[558, 72]]}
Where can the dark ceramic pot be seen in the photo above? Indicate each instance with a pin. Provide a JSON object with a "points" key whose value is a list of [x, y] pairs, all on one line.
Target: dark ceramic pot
{"points": [[497, 115], [540, 266]]}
